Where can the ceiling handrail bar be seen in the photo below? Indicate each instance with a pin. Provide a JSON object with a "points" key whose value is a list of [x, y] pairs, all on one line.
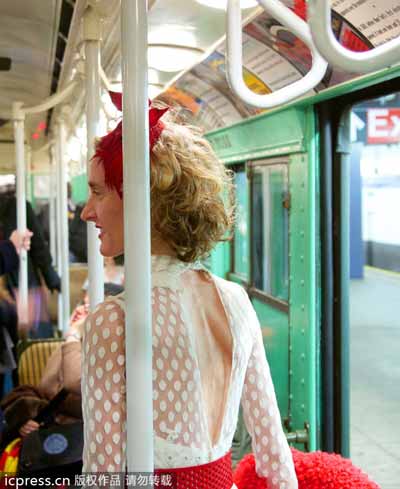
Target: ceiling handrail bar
{"points": [[319, 18], [108, 87], [109, 115], [234, 62], [104, 79], [53, 100]]}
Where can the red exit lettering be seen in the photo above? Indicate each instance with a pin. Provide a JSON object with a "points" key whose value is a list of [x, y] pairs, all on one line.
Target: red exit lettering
{"points": [[383, 126]]}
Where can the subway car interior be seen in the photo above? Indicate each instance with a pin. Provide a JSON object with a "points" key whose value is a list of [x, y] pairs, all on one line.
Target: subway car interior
{"points": [[300, 99]]}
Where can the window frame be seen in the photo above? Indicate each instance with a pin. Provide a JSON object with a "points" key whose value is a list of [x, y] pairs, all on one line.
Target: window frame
{"points": [[279, 304]]}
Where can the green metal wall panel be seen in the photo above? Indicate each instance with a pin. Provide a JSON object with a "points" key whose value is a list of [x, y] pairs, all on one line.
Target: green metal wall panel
{"points": [[290, 339], [260, 137], [218, 261], [275, 330], [30, 188], [303, 308]]}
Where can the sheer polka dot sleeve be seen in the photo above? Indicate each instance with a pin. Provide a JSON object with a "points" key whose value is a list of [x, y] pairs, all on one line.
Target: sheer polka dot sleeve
{"points": [[261, 415], [103, 390]]}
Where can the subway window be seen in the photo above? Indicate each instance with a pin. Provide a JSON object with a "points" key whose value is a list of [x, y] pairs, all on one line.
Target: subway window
{"points": [[270, 229], [240, 237]]}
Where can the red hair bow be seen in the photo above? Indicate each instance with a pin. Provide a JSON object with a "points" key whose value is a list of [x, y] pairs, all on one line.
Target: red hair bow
{"points": [[155, 125], [109, 147]]}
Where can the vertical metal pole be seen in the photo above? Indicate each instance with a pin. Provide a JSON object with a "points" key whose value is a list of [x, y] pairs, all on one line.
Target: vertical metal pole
{"points": [[19, 130], [343, 150], [137, 223], [92, 38], [64, 257], [29, 189], [52, 207], [327, 280]]}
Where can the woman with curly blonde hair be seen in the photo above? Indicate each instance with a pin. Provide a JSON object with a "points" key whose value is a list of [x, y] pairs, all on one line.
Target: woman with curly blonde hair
{"points": [[208, 353]]}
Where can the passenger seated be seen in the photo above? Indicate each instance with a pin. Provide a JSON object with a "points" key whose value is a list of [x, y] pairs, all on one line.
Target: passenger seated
{"points": [[62, 370], [113, 272]]}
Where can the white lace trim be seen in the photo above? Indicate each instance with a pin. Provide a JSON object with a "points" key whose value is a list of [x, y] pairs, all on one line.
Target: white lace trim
{"points": [[168, 456], [166, 271]]}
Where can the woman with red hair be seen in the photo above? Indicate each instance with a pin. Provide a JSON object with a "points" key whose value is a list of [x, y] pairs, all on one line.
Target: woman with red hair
{"points": [[208, 352]]}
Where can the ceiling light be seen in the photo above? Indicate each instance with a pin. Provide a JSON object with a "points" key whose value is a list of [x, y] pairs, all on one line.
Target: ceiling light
{"points": [[171, 57], [221, 4], [182, 35]]}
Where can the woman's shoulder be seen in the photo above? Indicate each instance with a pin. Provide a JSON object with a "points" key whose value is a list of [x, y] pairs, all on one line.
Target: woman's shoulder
{"points": [[234, 296], [239, 306], [228, 287]]}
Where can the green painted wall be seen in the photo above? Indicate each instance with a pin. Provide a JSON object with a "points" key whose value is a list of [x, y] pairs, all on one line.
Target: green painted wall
{"points": [[290, 338], [303, 306], [260, 137]]}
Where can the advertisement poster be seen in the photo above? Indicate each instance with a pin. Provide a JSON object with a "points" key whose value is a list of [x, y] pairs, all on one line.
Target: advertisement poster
{"points": [[274, 57], [281, 40], [265, 69], [212, 71], [376, 21], [213, 108]]}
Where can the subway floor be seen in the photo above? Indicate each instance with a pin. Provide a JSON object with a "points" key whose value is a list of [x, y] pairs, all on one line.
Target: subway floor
{"points": [[375, 375]]}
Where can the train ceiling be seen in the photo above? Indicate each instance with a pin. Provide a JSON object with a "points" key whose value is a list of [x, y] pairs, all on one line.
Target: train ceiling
{"points": [[28, 38], [41, 39]]}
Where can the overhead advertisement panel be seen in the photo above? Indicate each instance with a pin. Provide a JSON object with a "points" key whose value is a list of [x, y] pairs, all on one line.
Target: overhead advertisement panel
{"points": [[266, 69], [273, 57], [210, 105], [377, 21]]}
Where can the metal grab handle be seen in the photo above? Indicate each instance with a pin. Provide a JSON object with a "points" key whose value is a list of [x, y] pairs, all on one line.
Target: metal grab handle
{"points": [[319, 19], [234, 62]]}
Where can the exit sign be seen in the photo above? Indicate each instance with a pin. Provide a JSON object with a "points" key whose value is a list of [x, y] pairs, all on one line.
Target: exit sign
{"points": [[383, 126]]}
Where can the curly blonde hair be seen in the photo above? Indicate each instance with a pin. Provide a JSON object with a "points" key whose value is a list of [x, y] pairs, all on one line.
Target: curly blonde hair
{"points": [[192, 206]]}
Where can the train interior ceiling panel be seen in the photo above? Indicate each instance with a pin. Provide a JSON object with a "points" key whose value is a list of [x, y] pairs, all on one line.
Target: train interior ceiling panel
{"points": [[317, 182], [42, 45]]}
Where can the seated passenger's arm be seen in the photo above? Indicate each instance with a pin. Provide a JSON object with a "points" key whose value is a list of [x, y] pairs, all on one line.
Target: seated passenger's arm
{"points": [[28, 428], [71, 359]]}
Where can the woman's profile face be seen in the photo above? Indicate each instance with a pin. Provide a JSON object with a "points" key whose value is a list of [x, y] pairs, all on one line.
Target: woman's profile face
{"points": [[105, 209]]}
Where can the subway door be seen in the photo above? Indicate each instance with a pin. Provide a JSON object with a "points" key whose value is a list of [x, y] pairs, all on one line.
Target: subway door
{"points": [[270, 256]]}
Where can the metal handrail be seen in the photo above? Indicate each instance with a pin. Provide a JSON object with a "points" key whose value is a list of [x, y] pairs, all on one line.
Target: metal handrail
{"points": [[234, 61], [53, 100], [319, 19], [104, 79]]}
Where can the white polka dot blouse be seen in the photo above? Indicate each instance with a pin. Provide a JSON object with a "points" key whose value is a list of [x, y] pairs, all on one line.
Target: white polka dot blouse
{"points": [[208, 358]]}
